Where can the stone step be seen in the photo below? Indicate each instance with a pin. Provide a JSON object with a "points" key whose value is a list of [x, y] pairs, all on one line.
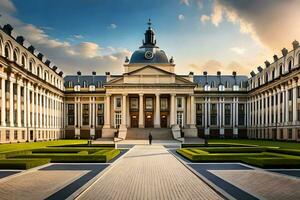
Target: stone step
{"points": [[143, 133]]}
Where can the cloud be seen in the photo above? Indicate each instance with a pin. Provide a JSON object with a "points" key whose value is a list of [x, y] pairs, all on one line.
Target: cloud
{"points": [[273, 23], [185, 2], [78, 36], [238, 50], [181, 17], [204, 19], [84, 56], [112, 26]]}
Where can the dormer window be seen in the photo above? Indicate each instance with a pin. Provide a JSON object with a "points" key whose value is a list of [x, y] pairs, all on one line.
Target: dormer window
{"points": [[70, 84], [213, 85]]}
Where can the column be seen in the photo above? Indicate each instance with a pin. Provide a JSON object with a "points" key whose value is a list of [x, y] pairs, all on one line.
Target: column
{"points": [[25, 106], [278, 106], [28, 107], [294, 103], [41, 109], [75, 113], [124, 106], [193, 109], [44, 110], [90, 112], [141, 111], [107, 112], [157, 111], [205, 112], [47, 111], [19, 105], [263, 107], [286, 110], [274, 106], [233, 113], [3, 103], [172, 110], [36, 107], [11, 103], [32, 108], [188, 110]]}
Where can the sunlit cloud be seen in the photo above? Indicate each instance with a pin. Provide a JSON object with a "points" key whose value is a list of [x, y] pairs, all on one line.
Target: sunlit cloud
{"points": [[204, 19], [238, 50], [181, 17], [112, 26]]}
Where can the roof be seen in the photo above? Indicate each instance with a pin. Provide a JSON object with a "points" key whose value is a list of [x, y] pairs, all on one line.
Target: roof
{"points": [[90, 80], [159, 56], [202, 80]]}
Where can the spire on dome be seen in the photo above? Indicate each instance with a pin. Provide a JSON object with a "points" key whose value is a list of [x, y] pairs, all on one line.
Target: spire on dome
{"points": [[149, 41]]}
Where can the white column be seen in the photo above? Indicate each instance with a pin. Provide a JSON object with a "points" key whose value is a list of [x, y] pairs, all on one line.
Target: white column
{"points": [[11, 104], [141, 111], [233, 113], [25, 105], [157, 111], [107, 112], [19, 105], [28, 107], [32, 108], [90, 112], [44, 110], [3, 103], [270, 107], [294, 103], [75, 113], [193, 109], [286, 104], [124, 106], [278, 106], [36, 108], [41, 109], [172, 110], [188, 110], [283, 104], [205, 112], [274, 106]]}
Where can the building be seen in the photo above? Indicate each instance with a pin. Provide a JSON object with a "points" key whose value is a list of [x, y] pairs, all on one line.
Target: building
{"points": [[38, 103]]}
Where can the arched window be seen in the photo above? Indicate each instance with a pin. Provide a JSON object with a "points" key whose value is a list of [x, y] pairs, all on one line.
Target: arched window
{"points": [[258, 82], [212, 84], [267, 77], [290, 65], [6, 51], [30, 66], [280, 70], [15, 56], [84, 84], [70, 84], [273, 74], [299, 60], [23, 61]]}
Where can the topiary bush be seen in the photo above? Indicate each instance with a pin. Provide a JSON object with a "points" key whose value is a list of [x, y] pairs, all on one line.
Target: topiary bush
{"points": [[22, 163]]}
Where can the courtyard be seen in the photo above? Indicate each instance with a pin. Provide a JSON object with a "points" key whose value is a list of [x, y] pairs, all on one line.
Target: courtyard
{"points": [[72, 169]]}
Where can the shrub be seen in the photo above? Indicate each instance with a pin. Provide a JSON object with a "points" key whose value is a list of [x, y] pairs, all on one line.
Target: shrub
{"points": [[294, 152], [65, 150], [272, 162], [234, 149], [218, 145], [22, 163], [15, 153]]}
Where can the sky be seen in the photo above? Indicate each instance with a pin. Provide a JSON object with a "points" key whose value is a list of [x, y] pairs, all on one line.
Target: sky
{"points": [[201, 35]]}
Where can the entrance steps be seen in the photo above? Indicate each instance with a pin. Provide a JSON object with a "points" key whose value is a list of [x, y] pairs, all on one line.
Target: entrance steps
{"points": [[143, 133]]}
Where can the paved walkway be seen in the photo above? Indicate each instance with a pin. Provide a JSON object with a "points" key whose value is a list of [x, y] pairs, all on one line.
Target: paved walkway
{"points": [[149, 172]]}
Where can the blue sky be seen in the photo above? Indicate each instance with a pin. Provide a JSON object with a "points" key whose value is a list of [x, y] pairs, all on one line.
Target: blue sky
{"points": [[202, 35]]}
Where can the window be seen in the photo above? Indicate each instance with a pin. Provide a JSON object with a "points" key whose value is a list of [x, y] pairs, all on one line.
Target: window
{"points": [[199, 114], [134, 104], [85, 114], [180, 119], [23, 61], [290, 135], [227, 114], [163, 104], [71, 116], [290, 65], [15, 135], [273, 74], [6, 52], [213, 114], [100, 114], [267, 77], [213, 84], [84, 84], [118, 119], [280, 70], [298, 133], [118, 103], [179, 103], [149, 103], [258, 82], [7, 136], [15, 57], [30, 66], [241, 114], [290, 94]]}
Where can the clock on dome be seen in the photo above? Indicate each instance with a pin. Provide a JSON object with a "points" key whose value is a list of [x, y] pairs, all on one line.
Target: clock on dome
{"points": [[148, 55]]}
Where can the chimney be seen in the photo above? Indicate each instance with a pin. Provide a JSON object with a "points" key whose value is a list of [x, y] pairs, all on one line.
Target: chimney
{"points": [[7, 28], [54, 68], [20, 40], [284, 51], [205, 73], [107, 73], [47, 62], [79, 73], [31, 49], [259, 69], [295, 44], [94, 73], [275, 58], [234, 73], [218, 73], [252, 73], [40, 56], [60, 73], [267, 63]]}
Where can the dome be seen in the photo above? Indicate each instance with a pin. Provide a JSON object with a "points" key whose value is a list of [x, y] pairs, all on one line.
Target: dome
{"points": [[158, 56]]}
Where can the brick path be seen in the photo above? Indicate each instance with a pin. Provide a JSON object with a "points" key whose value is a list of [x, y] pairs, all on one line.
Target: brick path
{"points": [[149, 172]]}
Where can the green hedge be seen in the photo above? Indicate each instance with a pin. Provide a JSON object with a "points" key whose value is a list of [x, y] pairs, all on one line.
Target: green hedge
{"points": [[86, 145], [234, 149], [69, 157], [66, 150], [218, 145], [12, 154], [273, 162], [22, 163], [293, 152]]}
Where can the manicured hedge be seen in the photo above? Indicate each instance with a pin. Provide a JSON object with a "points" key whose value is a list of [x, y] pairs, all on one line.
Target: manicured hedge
{"points": [[218, 145], [234, 149], [66, 150], [86, 145], [14, 153], [22, 163], [70, 157], [272, 162], [294, 152]]}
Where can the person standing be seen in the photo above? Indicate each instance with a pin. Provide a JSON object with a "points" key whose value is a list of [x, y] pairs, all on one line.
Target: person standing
{"points": [[150, 138]]}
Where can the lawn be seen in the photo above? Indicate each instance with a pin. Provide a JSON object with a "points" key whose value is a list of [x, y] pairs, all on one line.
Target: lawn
{"points": [[260, 156], [281, 144], [28, 155]]}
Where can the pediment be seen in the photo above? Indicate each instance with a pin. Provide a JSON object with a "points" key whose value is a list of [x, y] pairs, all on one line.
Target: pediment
{"points": [[149, 70]]}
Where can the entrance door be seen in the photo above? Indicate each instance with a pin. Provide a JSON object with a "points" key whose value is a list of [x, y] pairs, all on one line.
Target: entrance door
{"points": [[149, 120], [164, 121], [134, 121]]}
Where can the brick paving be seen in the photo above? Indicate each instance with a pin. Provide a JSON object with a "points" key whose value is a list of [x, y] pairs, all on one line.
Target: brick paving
{"points": [[263, 184], [149, 172]]}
